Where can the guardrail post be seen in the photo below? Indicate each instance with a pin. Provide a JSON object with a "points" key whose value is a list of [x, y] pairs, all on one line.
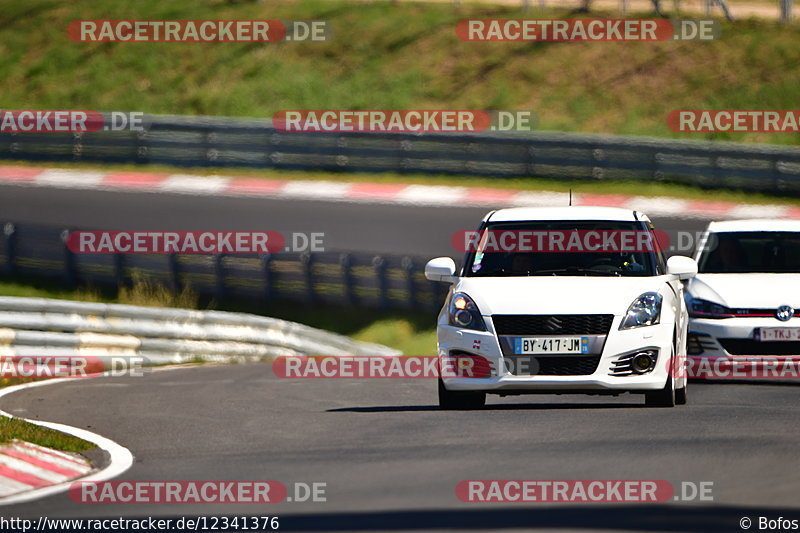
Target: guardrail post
{"points": [[379, 263], [347, 278], [175, 274], [786, 11], [77, 146], [119, 269], [209, 141], [142, 149], [778, 183], [70, 270], [411, 285], [269, 282], [219, 276], [10, 231], [307, 261]]}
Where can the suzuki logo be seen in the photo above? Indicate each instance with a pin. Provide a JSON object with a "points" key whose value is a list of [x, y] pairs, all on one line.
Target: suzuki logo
{"points": [[553, 324], [784, 313]]}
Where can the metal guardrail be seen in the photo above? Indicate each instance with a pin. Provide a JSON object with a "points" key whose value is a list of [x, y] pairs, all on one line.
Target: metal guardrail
{"points": [[42, 327], [346, 279], [231, 142]]}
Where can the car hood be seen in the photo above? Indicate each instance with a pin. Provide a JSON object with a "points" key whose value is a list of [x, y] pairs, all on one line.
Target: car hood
{"points": [[558, 294], [757, 291]]}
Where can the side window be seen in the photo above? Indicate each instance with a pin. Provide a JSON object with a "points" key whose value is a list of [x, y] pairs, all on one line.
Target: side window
{"points": [[469, 256]]}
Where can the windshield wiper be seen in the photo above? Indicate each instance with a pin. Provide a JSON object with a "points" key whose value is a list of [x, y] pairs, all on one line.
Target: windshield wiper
{"points": [[576, 270], [496, 272]]}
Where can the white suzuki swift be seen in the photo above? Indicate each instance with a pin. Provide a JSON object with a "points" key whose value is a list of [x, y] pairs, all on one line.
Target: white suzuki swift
{"points": [[563, 300]]}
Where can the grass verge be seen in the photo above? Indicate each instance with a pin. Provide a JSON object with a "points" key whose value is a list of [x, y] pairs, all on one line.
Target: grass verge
{"points": [[394, 55], [14, 428]]}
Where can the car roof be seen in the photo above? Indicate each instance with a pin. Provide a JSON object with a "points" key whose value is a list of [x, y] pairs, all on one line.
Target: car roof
{"points": [[521, 214], [754, 224]]}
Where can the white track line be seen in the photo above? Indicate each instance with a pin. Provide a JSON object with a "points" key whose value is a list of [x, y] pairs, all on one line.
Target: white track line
{"points": [[70, 179], [121, 458], [408, 194]]}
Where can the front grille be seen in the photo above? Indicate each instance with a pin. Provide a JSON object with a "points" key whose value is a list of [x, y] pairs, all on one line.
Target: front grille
{"points": [[571, 365], [622, 366], [752, 347], [552, 324]]}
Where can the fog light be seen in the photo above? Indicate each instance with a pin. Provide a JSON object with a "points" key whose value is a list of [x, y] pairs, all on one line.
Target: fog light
{"points": [[643, 362]]}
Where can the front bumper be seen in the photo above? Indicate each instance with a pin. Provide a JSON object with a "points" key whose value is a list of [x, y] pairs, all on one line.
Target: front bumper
{"points": [[716, 348], [617, 344], [735, 337]]}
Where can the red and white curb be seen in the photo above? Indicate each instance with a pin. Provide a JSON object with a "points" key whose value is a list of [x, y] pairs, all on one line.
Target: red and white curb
{"points": [[29, 472], [25, 466], [377, 193]]}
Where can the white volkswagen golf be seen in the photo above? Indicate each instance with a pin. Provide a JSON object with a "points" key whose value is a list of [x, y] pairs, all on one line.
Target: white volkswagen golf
{"points": [[742, 303], [563, 300]]}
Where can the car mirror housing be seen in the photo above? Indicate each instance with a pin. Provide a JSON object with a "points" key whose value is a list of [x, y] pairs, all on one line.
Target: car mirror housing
{"points": [[441, 269], [682, 267]]}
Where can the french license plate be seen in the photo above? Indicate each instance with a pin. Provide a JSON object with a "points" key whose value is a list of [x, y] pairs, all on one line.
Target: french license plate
{"points": [[778, 334], [550, 345]]}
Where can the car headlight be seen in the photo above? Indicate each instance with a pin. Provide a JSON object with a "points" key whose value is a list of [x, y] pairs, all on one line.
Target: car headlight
{"points": [[704, 309], [644, 311], [463, 313]]}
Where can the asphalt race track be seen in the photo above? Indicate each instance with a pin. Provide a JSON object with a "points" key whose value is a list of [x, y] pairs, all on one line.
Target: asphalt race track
{"points": [[347, 226], [391, 459]]}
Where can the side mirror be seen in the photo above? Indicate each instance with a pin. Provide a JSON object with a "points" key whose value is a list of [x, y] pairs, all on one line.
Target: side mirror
{"points": [[441, 269], [681, 267]]}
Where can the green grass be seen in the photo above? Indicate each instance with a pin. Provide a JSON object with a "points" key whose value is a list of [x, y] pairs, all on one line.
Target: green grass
{"points": [[392, 56], [407, 336], [14, 428], [141, 292]]}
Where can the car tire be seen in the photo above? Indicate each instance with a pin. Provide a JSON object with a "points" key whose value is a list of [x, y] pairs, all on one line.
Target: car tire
{"points": [[661, 398], [680, 396], [665, 397], [460, 400]]}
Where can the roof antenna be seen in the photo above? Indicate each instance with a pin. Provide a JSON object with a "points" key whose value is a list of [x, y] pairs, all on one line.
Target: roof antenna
{"points": [[570, 197]]}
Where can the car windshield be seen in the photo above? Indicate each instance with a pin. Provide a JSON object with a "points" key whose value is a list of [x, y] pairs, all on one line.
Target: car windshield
{"points": [[751, 251], [564, 248]]}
